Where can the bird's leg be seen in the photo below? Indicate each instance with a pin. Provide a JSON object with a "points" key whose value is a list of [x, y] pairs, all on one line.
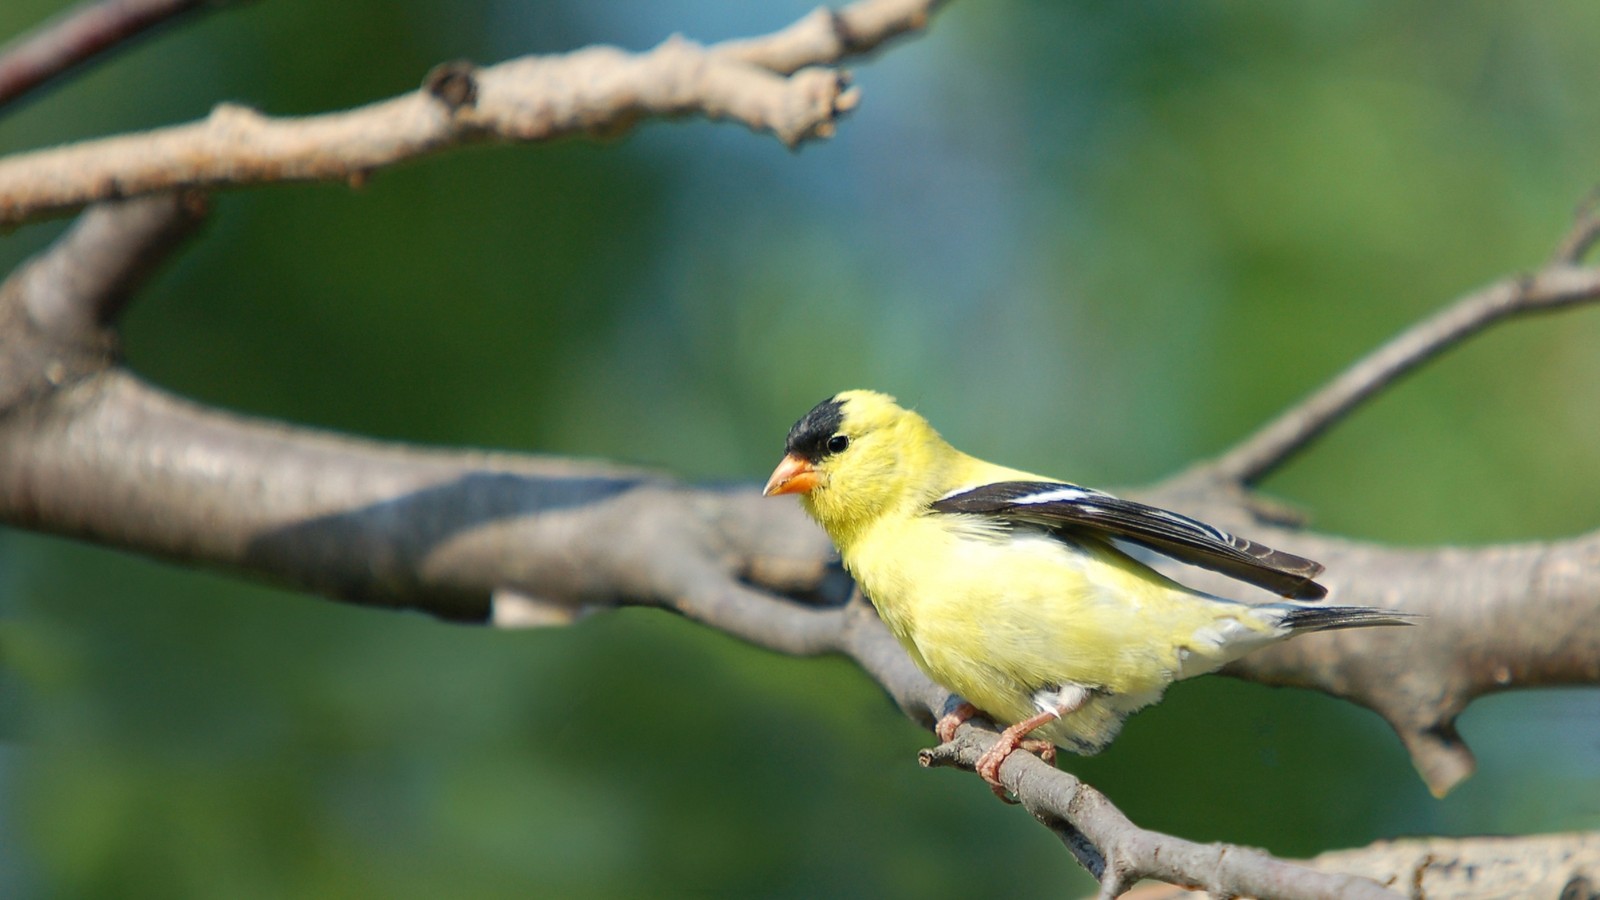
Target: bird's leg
{"points": [[950, 721], [988, 767]]}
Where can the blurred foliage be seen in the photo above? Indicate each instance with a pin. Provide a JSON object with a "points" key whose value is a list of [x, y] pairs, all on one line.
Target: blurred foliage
{"points": [[1097, 239]]}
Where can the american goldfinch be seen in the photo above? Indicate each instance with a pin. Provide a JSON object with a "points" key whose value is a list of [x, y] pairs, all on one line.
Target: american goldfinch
{"points": [[1006, 587]]}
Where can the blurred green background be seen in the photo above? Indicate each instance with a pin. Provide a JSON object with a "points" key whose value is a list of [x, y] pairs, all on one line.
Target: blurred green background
{"points": [[1096, 239]]}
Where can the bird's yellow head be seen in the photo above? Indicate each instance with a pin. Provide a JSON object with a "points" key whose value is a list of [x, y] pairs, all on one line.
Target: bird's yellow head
{"points": [[855, 457]]}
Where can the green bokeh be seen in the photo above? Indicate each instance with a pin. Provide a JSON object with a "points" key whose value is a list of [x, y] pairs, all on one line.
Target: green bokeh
{"points": [[1100, 240]]}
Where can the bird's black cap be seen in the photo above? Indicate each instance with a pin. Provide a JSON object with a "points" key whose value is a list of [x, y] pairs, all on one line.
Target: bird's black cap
{"points": [[808, 439]]}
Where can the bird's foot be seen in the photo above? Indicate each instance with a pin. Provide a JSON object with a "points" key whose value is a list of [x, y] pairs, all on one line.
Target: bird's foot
{"points": [[1041, 748], [988, 767], [950, 721], [1009, 741]]}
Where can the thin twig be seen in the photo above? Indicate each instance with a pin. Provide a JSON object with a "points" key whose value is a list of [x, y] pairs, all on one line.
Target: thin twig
{"points": [[826, 36], [80, 35], [1274, 444], [1584, 233]]}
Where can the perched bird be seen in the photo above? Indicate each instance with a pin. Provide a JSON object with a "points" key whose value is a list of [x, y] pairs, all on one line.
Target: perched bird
{"points": [[1007, 588]]}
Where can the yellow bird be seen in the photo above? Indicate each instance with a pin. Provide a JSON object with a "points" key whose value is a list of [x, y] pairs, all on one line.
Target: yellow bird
{"points": [[1006, 587]]}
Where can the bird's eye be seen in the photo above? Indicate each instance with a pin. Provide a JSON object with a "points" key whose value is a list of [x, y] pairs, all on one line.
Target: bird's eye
{"points": [[837, 443]]}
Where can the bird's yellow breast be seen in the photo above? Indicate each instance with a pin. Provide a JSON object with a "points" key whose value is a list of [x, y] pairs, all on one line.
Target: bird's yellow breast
{"points": [[997, 615]]}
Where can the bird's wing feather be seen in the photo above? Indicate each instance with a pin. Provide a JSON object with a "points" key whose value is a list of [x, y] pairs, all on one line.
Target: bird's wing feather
{"points": [[1059, 505]]}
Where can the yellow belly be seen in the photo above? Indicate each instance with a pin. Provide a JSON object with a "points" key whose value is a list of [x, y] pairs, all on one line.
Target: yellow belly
{"points": [[999, 617]]}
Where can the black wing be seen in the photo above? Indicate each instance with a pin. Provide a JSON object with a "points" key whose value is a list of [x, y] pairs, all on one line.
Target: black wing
{"points": [[1070, 507]]}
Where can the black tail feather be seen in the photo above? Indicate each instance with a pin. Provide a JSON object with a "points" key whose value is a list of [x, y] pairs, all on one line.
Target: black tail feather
{"points": [[1327, 618]]}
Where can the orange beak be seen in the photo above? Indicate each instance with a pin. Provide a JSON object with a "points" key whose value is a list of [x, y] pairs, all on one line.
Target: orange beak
{"points": [[792, 476]]}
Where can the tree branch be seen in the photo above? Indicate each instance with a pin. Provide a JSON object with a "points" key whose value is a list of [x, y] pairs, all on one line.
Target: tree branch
{"points": [[599, 90], [826, 36], [114, 460], [1119, 853], [516, 540], [596, 91], [56, 310], [88, 450], [75, 292], [1583, 235], [1554, 287], [1552, 865], [78, 36], [1099, 836], [1497, 618]]}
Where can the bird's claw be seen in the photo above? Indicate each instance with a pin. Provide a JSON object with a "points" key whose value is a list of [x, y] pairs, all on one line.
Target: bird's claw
{"points": [[1009, 741], [946, 727], [988, 767], [1040, 748]]}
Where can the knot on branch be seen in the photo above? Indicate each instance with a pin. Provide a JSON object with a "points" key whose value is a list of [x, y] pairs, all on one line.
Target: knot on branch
{"points": [[455, 84], [846, 37], [1580, 888], [235, 119]]}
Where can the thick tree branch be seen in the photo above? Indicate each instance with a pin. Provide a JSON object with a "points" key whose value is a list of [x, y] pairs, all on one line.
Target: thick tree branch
{"points": [[1551, 865], [113, 460], [1497, 618], [78, 36], [598, 90]]}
